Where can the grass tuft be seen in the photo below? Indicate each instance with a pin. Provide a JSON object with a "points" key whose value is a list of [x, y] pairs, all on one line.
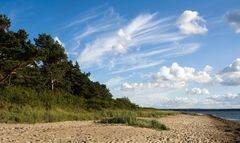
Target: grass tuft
{"points": [[133, 121]]}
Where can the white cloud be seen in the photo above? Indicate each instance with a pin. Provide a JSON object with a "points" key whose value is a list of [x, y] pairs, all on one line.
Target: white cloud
{"points": [[133, 86], [231, 95], [197, 91], [137, 67], [145, 29], [88, 26], [208, 69], [230, 76], [59, 41], [178, 73], [169, 98], [102, 39], [143, 59], [230, 100], [120, 49], [175, 77], [191, 23], [87, 16], [114, 81], [165, 89], [150, 85], [233, 19], [234, 67]]}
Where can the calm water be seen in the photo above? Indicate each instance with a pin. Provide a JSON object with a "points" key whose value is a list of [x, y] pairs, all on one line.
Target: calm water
{"points": [[229, 114]]}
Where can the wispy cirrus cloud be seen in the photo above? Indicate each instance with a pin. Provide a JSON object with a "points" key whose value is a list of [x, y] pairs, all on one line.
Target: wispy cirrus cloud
{"points": [[137, 67], [89, 25], [145, 29], [105, 40], [150, 57]]}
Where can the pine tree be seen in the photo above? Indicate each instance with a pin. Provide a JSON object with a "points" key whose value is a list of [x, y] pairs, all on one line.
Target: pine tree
{"points": [[55, 60]]}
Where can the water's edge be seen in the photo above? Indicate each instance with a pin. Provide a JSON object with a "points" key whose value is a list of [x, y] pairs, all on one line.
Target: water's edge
{"points": [[227, 114]]}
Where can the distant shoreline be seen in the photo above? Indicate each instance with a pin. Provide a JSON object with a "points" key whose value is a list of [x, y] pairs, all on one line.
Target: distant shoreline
{"points": [[203, 109], [227, 114]]}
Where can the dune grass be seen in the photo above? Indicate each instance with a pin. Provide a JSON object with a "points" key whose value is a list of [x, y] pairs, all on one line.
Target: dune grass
{"points": [[133, 121], [190, 113], [41, 116], [25, 105], [28, 114]]}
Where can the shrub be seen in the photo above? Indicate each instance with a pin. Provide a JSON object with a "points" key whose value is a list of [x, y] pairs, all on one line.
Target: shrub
{"points": [[133, 121]]}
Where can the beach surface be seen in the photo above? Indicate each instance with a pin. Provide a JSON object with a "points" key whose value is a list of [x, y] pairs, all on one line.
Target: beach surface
{"points": [[182, 128]]}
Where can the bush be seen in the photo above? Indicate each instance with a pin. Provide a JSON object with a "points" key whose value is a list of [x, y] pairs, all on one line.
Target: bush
{"points": [[133, 121], [124, 103]]}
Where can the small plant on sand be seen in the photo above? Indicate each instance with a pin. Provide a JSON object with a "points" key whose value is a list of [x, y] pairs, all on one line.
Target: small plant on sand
{"points": [[133, 121]]}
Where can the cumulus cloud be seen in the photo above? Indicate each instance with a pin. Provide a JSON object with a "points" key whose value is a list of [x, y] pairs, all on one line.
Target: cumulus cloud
{"points": [[230, 75], [165, 88], [197, 91], [179, 73], [168, 98], [149, 85], [175, 76], [190, 22], [132, 86], [233, 19], [59, 41]]}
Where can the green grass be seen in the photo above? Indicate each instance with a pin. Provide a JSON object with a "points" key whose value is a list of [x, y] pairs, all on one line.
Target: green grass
{"points": [[25, 105], [133, 121], [28, 114], [190, 113], [41, 115]]}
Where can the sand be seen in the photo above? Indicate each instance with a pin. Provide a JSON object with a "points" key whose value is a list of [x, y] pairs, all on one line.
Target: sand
{"points": [[183, 128]]}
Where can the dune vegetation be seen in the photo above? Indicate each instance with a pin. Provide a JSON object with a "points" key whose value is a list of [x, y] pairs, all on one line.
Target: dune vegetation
{"points": [[133, 121]]}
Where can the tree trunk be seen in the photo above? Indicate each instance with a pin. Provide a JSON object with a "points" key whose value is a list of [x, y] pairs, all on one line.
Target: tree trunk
{"points": [[14, 69], [52, 85]]}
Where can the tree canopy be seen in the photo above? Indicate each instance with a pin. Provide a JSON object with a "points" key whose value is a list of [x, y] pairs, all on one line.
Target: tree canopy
{"points": [[44, 65]]}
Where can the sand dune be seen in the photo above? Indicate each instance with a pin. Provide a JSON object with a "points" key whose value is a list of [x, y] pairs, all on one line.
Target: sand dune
{"points": [[183, 128]]}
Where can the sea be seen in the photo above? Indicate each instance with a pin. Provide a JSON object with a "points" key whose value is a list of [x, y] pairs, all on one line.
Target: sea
{"points": [[228, 114]]}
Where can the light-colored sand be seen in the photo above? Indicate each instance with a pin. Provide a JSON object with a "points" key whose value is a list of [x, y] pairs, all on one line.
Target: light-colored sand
{"points": [[183, 128]]}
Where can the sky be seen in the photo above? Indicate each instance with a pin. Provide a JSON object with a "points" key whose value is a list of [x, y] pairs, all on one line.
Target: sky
{"points": [[159, 53]]}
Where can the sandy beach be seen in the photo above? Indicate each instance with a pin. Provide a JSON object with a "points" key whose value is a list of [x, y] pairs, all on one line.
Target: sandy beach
{"points": [[183, 128]]}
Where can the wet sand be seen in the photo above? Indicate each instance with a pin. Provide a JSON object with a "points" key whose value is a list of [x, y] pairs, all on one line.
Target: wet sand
{"points": [[183, 128]]}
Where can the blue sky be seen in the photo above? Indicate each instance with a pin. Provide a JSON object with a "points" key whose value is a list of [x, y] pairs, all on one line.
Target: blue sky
{"points": [[165, 54]]}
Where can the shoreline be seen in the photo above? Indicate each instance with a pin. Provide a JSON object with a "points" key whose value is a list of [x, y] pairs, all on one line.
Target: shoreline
{"points": [[183, 128], [214, 112], [231, 126]]}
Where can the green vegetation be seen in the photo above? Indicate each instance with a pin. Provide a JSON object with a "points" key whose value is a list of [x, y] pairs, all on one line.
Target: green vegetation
{"points": [[190, 113], [25, 105], [39, 75], [133, 121], [39, 84]]}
